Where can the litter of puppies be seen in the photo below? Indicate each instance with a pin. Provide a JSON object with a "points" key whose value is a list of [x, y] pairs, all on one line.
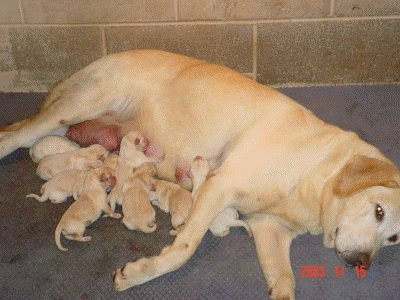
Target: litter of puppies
{"points": [[98, 180]]}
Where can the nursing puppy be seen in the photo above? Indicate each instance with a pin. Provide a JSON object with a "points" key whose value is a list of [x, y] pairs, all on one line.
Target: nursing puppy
{"points": [[80, 159], [229, 217], [131, 155], [105, 172], [84, 211], [49, 145], [173, 199], [136, 208], [70, 182], [61, 186]]}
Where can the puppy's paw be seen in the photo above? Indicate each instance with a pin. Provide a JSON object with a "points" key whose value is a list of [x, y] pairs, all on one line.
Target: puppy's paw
{"points": [[220, 232], [283, 289], [115, 215]]}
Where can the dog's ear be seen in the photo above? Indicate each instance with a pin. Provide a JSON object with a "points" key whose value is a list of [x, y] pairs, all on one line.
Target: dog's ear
{"points": [[362, 172]]}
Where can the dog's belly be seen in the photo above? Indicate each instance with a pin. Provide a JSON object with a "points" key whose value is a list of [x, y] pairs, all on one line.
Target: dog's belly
{"points": [[108, 131]]}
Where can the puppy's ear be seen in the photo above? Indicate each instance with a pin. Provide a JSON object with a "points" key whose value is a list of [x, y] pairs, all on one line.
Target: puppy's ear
{"points": [[362, 172]]}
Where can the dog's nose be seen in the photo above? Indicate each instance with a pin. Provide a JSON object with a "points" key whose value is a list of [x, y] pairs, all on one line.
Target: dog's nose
{"points": [[359, 259]]}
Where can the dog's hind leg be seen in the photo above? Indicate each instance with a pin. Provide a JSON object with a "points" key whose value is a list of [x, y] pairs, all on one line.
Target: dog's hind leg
{"points": [[212, 198], [59, 114]]}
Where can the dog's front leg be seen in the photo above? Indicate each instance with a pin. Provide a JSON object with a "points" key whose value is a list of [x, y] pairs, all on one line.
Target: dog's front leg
{"points": [[212, 198], [273, 250]]}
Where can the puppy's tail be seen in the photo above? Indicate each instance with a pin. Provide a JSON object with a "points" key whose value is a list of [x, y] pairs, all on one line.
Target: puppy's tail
{"points": [[57, 236], [37, 197]]}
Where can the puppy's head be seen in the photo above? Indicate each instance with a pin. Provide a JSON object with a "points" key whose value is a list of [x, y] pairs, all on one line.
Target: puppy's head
{"points": [[132, 143], [111, 161], [146, 170], [98, 151], [367, 193], [199, 168]]}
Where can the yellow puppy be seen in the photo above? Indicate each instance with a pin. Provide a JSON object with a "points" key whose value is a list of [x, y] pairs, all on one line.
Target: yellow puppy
{"points": [[229, 217], [107, 170], [136, 208], [80, 159], [131, 156], [83, 212], [172, 198], [49, 145], [60, 187]]}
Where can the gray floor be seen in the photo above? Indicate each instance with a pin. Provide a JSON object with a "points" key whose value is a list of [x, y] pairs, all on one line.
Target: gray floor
{"points": [[31, 267]]}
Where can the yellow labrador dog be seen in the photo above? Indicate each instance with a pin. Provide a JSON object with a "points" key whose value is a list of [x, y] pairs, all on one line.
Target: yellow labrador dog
{"points": [[271, 159]]}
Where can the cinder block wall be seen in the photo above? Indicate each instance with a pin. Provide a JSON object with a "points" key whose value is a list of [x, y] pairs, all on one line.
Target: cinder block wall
{"points": [[279, 42]]}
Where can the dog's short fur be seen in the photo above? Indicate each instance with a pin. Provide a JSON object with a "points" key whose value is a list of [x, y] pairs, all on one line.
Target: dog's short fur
{"points": [[60, 187], [173, 199], [80, 159], [275, 162], [84, 211], [136, 208], [131, 156], [49, 145]]}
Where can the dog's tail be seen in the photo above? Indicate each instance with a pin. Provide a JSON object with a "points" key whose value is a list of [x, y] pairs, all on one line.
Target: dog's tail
{"points": [[57, 236], [42, 198]]}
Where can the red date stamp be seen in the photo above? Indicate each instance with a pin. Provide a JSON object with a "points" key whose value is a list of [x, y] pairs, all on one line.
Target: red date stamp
{"points": [[319, 271]]}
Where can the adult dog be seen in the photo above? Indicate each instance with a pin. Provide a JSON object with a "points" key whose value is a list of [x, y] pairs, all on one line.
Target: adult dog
{"points": [[272, 160]]}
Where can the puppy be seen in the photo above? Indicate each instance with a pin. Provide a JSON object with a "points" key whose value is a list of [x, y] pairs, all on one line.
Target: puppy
{"points": [[106, 171], [136, 208], [229, 217], [172, 198], [60, 187], [83, 212], [131, 155], [80, 159], [111, 163], [49, 145], [225, 220]]}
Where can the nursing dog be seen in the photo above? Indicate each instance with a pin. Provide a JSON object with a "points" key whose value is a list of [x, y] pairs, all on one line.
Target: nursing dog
{"points": [[271, 159]]}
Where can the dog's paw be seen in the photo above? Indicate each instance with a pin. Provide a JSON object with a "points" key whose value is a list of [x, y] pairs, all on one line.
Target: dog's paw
{"points": [[134, 273], [283, 289], [120, 282]]}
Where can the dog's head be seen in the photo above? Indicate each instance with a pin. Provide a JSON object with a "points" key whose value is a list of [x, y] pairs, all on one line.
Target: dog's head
{"points": [[366, 214]]}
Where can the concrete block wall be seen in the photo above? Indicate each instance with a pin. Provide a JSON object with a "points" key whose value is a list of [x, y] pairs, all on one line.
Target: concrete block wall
{"points": [[278, 42]]}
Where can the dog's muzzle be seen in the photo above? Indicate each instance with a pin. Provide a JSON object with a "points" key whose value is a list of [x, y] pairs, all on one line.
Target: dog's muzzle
{"points": [[354, 259]]}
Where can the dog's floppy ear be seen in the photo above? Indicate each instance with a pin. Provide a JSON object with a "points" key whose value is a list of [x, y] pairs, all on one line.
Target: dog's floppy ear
{"points": [[362, 172]]}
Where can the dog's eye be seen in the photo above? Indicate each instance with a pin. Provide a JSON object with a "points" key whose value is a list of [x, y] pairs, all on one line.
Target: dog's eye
{"points": [[379, 213], [393, 238]]}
